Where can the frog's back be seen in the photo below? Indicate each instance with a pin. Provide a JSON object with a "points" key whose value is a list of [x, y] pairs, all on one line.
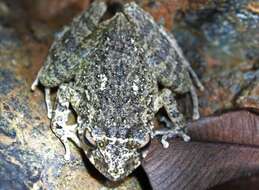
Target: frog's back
{"points": [[116, 81]]}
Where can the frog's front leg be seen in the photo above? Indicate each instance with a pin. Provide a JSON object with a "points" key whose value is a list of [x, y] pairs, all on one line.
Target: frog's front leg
{"points": [[59, 122], [176, 125]]}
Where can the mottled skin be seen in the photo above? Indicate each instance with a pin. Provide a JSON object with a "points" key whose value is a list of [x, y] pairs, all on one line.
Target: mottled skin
{"points": [[108, 72]]}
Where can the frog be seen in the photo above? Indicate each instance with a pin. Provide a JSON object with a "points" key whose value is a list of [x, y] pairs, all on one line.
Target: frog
{"points": [[115, 75]]}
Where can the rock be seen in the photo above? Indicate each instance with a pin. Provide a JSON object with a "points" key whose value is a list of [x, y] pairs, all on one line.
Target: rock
{"points": [[54, 7], [219, 38], [221, 41], [249, 97]]}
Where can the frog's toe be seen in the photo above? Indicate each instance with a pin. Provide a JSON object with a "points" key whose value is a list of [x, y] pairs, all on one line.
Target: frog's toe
{"points": [[49, 114], [36, 81], [67, 156], [196, 116], [34, 85], [164, 141], [186, 137]]}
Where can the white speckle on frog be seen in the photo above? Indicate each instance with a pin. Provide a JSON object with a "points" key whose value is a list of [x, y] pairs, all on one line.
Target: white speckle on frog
{"points": [[103, 80], [135, 88], [87, 95]]}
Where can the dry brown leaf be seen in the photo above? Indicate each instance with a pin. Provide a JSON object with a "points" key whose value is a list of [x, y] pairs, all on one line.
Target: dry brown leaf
{"points": [[223, 148]]}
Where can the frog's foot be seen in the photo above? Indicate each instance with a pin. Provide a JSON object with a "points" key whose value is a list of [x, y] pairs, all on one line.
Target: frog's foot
{"points": [[64, 133], [59, 122], [170, 133], [175, 125]]}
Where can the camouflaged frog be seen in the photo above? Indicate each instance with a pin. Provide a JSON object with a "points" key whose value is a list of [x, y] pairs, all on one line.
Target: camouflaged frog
{"points": [[107, 73]]}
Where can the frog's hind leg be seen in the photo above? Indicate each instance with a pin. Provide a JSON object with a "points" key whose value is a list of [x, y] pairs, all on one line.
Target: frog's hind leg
{"points": [[192, 74], [176, 125], [59, 122], [195, 78], [178, 50]]}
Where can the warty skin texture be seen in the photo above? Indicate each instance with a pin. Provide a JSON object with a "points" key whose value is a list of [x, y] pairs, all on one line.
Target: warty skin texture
{"points": [[109, 72]]}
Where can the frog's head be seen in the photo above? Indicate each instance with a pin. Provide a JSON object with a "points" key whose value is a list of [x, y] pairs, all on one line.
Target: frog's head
{"points": [[115, 157]]}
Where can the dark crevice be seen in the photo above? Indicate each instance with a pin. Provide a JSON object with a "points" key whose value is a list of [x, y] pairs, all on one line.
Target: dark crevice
{"points": [[91, 169], [142, 178], [112, 8]]}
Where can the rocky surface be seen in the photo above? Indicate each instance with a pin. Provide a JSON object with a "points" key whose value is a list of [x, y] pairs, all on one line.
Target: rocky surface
{"points": [[219, 38]]}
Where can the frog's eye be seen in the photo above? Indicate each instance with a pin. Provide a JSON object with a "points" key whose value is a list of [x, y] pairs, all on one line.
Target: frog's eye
{"points": [[88, 139], [101, 144]]}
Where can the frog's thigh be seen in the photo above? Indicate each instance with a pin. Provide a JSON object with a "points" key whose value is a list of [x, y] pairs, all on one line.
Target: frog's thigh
{"points": [[184, 61], [194, 97], [167, 100], [176, 125], [59, 121], [183, 85]]}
